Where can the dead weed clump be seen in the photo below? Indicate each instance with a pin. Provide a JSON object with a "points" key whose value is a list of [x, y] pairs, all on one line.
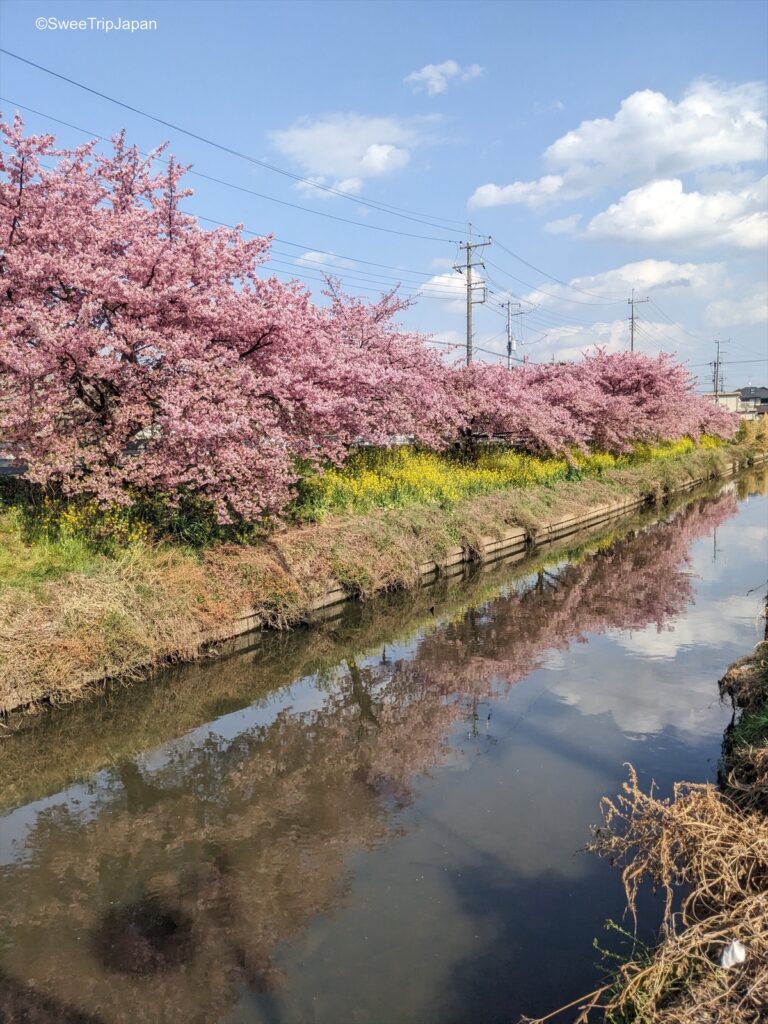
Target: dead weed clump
{"points": [[704, 844]]}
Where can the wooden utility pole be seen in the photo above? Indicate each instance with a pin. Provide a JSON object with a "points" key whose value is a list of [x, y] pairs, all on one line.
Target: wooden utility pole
{"points": [[469, 246], [633, 302]]}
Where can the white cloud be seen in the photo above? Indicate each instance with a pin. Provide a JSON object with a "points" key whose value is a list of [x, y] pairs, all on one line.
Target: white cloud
{"points": [[650, 136], [642, 274], [346, 149], [749, 310], [712, 126], [450, 288], [381, 158], [435, 78], [352, 185], [531, 193], [572, 341], [564, 226], [662, 211]]}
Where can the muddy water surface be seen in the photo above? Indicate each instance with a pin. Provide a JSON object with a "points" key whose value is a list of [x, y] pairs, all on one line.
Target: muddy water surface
{"points": [[376, 820]]}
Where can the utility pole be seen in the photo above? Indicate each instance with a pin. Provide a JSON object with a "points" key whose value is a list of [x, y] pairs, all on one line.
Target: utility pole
{"points": [[633, 302], [717, 376], [469, 246], [511, 340]]}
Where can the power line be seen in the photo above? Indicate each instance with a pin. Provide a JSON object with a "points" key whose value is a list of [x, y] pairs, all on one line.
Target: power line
{"points": [[382, 281], [291, 205], [338, 271], [381, 207], [633, 302], [552, 295], [242, 188], [384, 208], [730, 362], [354, 259], [552, 277], [644, 334], [544, 311], [653, 327], [673, 322], [717, 374]]}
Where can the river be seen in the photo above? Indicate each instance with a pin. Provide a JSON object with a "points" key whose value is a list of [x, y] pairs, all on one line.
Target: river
{"points": [[379, 819]]}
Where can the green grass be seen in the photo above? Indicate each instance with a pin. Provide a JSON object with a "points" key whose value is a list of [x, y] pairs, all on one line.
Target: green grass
{"points": [[25, 561], [751, 730]]}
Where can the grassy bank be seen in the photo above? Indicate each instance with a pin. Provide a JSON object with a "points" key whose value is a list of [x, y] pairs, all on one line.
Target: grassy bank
{"points": [[709, 844], [72, 614]]}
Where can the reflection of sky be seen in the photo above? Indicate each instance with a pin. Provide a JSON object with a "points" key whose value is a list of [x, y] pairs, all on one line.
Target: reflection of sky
{"points": [[670, 679], [484, 910], [81, 801]]}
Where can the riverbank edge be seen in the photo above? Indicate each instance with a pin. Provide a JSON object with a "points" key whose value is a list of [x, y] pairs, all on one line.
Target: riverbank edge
{"points": [[298, 574]]}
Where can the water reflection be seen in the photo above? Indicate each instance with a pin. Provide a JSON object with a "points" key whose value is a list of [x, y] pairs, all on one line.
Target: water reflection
{"points": [[167, 887]]}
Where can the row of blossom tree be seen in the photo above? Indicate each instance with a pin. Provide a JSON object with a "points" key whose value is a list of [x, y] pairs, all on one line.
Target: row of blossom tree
{"points": [[140, 352]]}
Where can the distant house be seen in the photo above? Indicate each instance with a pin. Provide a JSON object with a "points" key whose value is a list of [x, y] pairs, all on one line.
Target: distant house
{"points": [[755, 400], [730, 400], [749, 402]]}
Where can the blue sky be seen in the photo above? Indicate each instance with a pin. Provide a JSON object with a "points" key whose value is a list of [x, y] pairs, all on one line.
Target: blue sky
{"points": [[609, 145]]}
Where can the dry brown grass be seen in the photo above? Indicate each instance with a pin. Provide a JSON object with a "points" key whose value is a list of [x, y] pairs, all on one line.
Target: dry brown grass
{"points": [[717, 851], [152, 605]]}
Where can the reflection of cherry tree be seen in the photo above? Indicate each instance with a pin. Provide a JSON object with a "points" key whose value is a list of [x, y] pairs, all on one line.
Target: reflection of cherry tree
{"points": [[171, 895], [638, 582]]}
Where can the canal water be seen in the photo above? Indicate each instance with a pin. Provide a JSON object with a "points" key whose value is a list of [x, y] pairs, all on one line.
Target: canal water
{"points": [[379, 819]]}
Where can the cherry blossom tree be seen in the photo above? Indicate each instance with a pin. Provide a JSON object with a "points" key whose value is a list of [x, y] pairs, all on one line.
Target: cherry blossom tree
{"points": [[627, 397], [140, 353], [610, 401]]}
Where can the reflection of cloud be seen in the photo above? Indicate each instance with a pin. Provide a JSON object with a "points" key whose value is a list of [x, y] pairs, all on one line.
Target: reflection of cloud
{"points": [[655, 701], [652, 703], [711, 626]]}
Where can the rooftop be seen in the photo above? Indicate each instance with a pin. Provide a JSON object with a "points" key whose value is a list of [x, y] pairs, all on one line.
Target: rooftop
{"points": [[750, 394]]}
